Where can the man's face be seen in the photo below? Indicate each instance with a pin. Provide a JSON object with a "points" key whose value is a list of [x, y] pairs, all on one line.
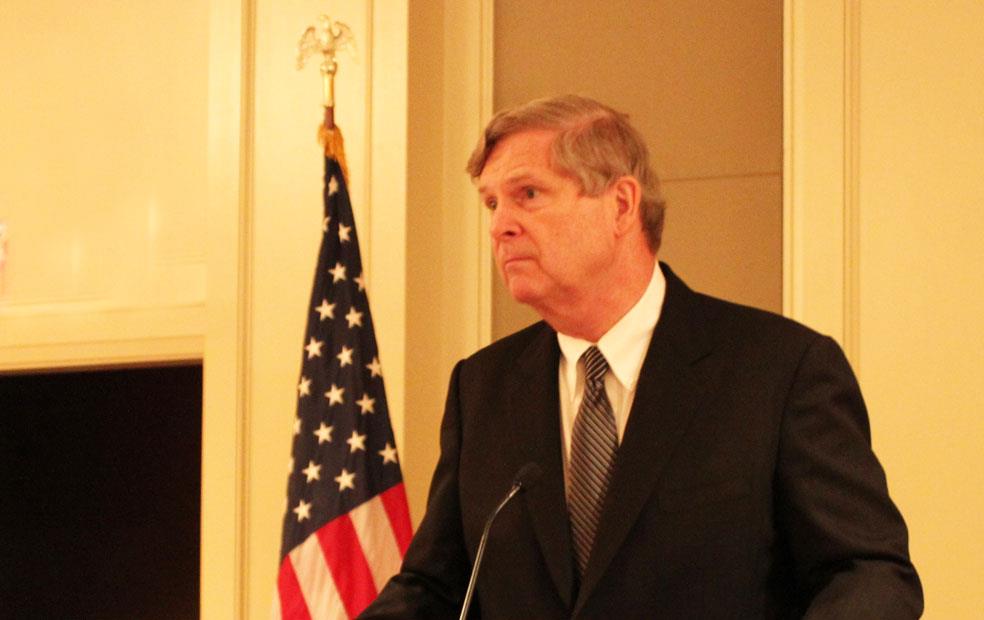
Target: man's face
{"points": [[552, 244]]}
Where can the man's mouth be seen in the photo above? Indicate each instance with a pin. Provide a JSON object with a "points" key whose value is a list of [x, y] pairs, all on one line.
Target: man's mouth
{"points": [[513, 260]]}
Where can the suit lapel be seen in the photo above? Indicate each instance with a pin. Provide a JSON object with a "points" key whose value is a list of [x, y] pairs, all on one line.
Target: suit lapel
{"points": [[535, 414], [669, 389]]}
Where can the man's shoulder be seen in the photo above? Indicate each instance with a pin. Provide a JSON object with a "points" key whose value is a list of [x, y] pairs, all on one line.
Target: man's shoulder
{"points": [[723, 318], [518, 357], [749, 317], [741, 328], [514, 345]]}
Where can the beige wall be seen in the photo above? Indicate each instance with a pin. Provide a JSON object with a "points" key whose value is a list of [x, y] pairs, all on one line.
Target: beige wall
{"points": [[427, 368], [448, 294], [921, 281], [126, 126], [702, 83], [103, 119], [147, 146], [885, 139]]}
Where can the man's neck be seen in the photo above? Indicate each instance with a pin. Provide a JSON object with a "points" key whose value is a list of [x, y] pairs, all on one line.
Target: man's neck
{"points": [[590, 317]]}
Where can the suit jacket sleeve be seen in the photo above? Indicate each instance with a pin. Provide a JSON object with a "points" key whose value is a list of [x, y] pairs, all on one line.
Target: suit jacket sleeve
{"points": [[848, 542], [434, 575]]}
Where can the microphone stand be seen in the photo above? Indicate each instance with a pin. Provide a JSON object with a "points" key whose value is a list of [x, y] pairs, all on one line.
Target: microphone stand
{"points": [[526, 478]]}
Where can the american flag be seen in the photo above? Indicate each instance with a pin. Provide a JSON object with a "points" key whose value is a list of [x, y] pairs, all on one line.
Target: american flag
{"points": [[347, 525]]}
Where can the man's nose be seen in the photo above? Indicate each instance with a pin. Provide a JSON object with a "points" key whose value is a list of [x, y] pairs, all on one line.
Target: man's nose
{"points": [[504, 223]]}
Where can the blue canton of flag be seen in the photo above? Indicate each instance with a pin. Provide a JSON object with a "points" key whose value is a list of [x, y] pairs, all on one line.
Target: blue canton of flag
{"points": [[347, 525]]}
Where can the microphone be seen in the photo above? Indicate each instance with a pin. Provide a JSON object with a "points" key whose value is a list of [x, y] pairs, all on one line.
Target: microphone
{"points": [[526, 478]]}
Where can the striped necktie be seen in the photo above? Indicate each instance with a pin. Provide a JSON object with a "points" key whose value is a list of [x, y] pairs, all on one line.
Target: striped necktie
{"points": [[594, 442]]}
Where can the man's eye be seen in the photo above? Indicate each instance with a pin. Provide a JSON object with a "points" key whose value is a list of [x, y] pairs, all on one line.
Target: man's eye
{"points": [[530, 193], [491, 204]]}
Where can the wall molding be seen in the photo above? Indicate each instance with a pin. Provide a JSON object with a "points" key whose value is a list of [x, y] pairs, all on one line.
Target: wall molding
{"points": [[821, 185], [468, 85], [86, 336], [225, 416], [852, 180], [486, 70], [387, 168]]}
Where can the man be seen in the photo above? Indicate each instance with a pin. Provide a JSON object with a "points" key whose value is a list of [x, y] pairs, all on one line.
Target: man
{"points": [[699, 459]]}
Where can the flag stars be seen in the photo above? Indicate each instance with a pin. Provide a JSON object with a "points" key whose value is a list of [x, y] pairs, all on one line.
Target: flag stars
{"points": [[338, 273], [304, 387], [324, 433], [354, 318], [335, 395], [312, 471], [318, 419], [313, 348], [345, 480], [388, 453], [345, 356], [356, 442], [303, 511], [366, 404], [326, 310]]}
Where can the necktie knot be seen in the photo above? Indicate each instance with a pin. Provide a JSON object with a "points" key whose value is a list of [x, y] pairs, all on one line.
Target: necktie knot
{"points": [[595, 365]]}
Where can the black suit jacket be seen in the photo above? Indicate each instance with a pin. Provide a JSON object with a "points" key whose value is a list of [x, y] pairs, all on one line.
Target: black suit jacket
{"points": [[744, 487]]}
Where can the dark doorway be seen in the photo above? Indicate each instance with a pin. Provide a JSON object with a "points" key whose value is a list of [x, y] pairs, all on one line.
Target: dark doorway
{"points": [[101, 476]]}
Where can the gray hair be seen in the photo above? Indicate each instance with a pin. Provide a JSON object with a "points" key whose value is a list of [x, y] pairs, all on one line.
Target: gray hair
{"points": [[594, 143]]}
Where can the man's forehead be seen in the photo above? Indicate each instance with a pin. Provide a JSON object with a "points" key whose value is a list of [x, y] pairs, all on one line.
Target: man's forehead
{"points": [[527, 140], [519, 154]]}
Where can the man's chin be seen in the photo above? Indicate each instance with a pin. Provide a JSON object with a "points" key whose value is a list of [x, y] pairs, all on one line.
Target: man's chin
{"points": [[523, 292]]}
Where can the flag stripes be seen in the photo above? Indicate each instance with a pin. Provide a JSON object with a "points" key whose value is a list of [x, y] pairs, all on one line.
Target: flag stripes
{"points": [[395, 502], [340, 568], [317, 588], [347, 564], [292, 603], [377, 541]]}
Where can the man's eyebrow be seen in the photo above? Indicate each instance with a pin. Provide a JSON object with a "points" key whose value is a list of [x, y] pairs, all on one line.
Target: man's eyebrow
{"points": [[519, 178]]}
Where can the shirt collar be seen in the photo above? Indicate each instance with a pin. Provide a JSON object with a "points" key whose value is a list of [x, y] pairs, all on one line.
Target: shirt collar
{"points": [[625, 344]]}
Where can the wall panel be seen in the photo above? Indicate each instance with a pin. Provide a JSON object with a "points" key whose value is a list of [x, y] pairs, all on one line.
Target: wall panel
{"points": [[702, 84], [921, 283], [102, 182], [884, 140]]}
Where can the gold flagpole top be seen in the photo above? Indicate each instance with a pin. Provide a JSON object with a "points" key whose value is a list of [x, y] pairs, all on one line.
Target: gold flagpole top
{"points": [[328, 38]]}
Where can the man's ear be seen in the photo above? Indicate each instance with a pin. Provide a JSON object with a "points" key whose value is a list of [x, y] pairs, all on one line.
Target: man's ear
{"points": [[627, 192]]}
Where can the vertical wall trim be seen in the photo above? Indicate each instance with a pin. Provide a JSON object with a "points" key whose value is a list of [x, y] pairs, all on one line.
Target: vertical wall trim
{"points": [[852, 180], [485, 109], [820, 166], [387, 168], [245, 320], [467, 90], [790, 307], [368, 44], [228, 315]]}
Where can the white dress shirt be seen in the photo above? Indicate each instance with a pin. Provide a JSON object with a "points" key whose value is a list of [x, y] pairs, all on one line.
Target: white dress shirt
{"points": [[624, 347]]}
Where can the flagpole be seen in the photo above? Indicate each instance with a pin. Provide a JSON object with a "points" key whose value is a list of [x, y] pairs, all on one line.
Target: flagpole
{"points": [[328, 69]]}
